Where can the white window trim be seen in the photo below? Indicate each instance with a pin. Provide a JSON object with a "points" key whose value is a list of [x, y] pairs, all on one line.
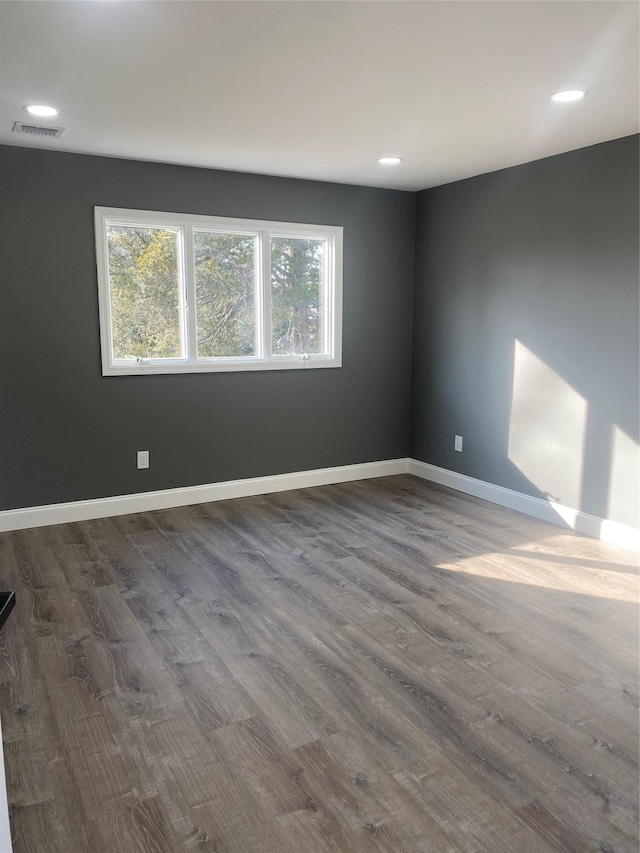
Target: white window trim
{"points": [[186, 224]]}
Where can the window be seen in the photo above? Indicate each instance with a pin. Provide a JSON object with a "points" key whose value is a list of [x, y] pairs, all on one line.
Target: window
{"points": [[191, 294]]}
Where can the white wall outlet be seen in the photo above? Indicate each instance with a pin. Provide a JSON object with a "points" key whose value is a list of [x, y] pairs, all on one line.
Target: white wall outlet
{"points": [[458, 443], [143, 458]]}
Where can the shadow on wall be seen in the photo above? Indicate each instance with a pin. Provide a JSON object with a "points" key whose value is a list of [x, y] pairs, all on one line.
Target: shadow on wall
{"points": [[548, 430]]}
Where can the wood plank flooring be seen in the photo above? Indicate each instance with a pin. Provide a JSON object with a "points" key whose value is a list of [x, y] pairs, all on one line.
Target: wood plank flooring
{"points": [[375, 666]]}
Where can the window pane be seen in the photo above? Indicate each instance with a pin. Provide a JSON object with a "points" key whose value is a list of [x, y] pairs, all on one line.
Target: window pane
{"points": [[144, 285], [297, 295], [225, 294]]}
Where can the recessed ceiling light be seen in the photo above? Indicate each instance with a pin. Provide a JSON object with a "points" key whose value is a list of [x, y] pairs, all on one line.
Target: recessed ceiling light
{"points": [[389, 161], [41, 110], [568, 95]]}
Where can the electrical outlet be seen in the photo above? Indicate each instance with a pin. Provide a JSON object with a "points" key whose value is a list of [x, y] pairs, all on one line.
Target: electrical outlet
{"points": [[143, 458], [458, 443]]}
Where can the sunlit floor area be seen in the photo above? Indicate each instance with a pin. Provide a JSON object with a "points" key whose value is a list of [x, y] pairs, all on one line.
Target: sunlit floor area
{"points": [[376, 666]]}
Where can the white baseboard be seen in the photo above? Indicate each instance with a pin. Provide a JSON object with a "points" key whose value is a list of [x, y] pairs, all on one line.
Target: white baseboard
{"points": [[581, 522], [40, 516], [609, 531]]}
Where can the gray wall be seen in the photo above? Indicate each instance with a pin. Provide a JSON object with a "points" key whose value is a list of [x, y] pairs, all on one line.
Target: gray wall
{"points": [[68, 433], [525, 335]]}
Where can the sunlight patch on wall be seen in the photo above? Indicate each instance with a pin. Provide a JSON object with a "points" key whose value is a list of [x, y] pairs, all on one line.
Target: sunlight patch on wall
{"points": [[624, 498], [547, 429]]}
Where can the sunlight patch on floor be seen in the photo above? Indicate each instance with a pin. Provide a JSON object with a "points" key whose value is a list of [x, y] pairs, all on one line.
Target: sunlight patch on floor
{"points": [[540, 564]]}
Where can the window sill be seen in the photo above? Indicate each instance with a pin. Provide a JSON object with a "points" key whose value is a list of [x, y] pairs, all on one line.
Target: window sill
{"points": [[221, 366]]}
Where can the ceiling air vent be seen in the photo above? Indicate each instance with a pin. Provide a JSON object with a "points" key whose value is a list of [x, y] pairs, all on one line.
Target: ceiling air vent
{"points": [[37, 129]]}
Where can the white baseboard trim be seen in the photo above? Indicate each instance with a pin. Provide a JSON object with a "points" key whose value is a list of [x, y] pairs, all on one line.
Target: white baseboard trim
{"points": [[40, 516], [609, 531], [581, 522]]}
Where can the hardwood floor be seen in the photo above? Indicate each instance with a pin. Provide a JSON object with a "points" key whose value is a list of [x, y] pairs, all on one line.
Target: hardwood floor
{"points": [[376, 666]]}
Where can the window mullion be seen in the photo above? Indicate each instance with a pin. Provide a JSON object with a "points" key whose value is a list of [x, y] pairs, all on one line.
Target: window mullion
{"points": [[190, 294], [266, 293]]}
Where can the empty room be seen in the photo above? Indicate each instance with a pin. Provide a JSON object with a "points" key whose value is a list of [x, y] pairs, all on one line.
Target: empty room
{"points": [[319, 426]]}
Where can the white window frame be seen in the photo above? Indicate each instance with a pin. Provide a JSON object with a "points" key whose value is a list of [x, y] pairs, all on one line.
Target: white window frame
{"points": [[264, 230]]}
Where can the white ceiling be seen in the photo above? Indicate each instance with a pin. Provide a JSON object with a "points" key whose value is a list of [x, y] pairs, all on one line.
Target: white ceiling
{"points": [[322, 89]]}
